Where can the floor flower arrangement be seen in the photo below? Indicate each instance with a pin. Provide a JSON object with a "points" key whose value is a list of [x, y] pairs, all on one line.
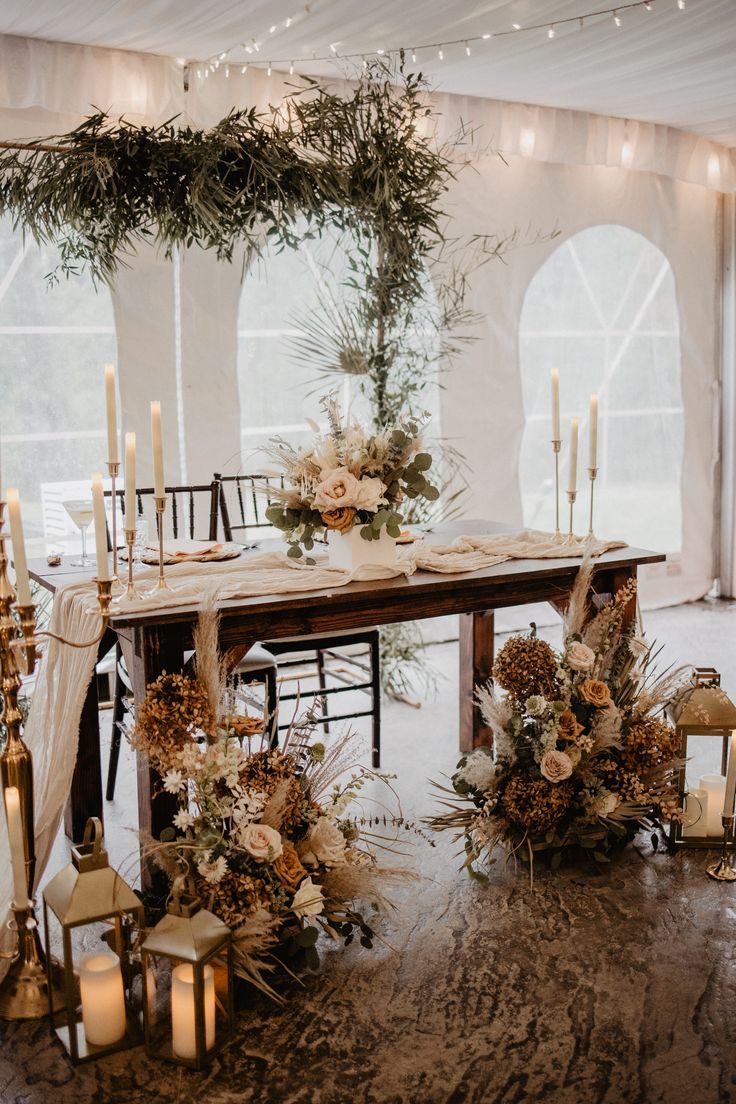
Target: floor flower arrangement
{"points": [[348, 477], [272, 838], [582, 755]]}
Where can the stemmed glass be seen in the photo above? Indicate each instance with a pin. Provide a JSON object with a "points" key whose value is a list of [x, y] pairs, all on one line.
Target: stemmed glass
{"points": [[81, 511]]}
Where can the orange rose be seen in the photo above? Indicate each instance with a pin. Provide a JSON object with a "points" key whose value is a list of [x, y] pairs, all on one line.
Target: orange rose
{"points": [[570, 728], [340, 519], [595, 692], [288, 868]]}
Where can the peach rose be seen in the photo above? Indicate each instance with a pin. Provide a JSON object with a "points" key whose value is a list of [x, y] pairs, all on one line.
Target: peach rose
{"points": [[595, 692], [261, 841], [339, 488], [579, 656], [341, 519], [556, 766], [288, 869]]}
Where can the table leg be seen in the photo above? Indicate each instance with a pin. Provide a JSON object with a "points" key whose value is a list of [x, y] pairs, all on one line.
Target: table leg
{"points": [[476, 664], [85, 796]]}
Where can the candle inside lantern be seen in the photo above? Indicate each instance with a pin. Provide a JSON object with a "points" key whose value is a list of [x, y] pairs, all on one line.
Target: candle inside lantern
{"points": [[715, 787], [112, 415], [555, 405], [17, 847], [130, 481], [103, 998], [98, 503], [730, 797], [22, 581], [573, 484], [158, 451], [593, 433], [183, 1029]]}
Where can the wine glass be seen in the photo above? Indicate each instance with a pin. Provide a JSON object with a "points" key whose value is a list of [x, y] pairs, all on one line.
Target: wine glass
{"points": [[81, 511]]}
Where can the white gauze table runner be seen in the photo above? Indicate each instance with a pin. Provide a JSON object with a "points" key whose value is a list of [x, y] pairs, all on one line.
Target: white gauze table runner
{"points": [[52, 728]]}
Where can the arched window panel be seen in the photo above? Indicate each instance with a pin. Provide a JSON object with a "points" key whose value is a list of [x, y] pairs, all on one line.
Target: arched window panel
{"points": [[296, 293], [55, 340], [603, 310]]}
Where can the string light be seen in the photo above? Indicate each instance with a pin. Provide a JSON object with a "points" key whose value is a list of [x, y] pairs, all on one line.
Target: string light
{"points": [[227, 70], [244, 69], [268, 71], [291, 68], [211, 64]]}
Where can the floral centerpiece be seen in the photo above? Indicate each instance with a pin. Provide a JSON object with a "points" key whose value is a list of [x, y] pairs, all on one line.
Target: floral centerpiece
{"points": [[270, 837], [348, 479], [582, 757]]}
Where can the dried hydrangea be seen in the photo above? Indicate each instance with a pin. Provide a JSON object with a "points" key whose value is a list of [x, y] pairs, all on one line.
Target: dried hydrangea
{"points": [[534, 803], [174, 712], [526, 667], [649, 742]]}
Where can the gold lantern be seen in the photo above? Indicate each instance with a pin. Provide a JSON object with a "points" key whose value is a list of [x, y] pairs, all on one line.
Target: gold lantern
{"points": [[704, 718], [187, 965], [98, 989]]}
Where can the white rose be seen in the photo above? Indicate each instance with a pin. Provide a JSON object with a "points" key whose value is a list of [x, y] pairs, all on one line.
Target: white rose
{"points": [[261, 841], [324, 843], [339, 488], [371, 492], [556, 766], [308, 899], [579, 656], [605, 803]]}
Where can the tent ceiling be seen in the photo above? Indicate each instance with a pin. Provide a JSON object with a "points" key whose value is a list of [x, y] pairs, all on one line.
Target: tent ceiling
{"points": [[667, 65]]}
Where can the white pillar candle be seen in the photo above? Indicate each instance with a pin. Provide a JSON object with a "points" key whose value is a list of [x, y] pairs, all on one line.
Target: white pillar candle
{"points": [[17, 847], [158, 451], [555, 405], [98, 503], [593, 432], [715, 787], [182, 1010], [695, 819], [111, 404], [130, 480], [22, 581], [728, 802], [103, 998], [573, 484]]}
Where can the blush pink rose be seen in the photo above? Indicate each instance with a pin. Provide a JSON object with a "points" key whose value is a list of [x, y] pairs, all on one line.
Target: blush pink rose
{"points": [[556, 766], [339, 488], [262, 842]]}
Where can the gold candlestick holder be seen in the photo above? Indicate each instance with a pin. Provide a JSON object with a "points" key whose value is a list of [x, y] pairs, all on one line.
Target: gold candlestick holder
{"points": [[556, 446], [32, 984], [131, 594], [723, 870], [160, 510], [592, 473], [113, 470], [571, 496]]}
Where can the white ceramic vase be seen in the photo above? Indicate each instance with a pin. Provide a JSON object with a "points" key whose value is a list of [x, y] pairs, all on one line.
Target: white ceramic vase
{"points": [[350, 551]]}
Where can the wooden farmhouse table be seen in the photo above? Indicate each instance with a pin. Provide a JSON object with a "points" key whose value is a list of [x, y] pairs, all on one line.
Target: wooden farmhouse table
{"points": [[153, 641]]}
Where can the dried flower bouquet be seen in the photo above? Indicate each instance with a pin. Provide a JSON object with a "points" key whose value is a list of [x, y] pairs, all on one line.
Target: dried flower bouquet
{"points": [[582, 757], [348, 477]]}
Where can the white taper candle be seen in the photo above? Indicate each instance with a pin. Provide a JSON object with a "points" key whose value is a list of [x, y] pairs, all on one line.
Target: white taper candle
{"points": [[158, 450], [22, 582], [98, 504], [728, 801], [111, 403], [130, 481], [17, 847], [593, 433], [555, 405], [573, 483]]}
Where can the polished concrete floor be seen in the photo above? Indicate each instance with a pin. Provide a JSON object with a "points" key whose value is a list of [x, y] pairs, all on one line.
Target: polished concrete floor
{"points": [[612, 990]]}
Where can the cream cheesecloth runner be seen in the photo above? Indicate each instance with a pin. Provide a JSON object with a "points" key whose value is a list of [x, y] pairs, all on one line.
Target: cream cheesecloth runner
{"points": [[53, 725]]}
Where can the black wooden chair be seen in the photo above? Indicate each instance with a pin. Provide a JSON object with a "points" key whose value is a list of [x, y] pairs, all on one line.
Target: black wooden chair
{"points": [[186, 505], [338, 667]]}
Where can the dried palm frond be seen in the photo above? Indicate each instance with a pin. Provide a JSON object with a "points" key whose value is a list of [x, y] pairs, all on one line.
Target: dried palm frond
{"points": [[253, 943], [210, 668], [347, 883]]}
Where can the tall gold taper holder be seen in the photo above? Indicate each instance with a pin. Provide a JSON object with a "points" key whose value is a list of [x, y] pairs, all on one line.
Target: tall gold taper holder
{"points": [[160, 510], [113, 470], [592, 473], [571, 496], [556, 446], [30, 985], [131, 593], [723, 870]]}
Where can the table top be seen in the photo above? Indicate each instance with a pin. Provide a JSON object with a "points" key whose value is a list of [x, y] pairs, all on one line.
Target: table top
{"points": [[423, 594]]}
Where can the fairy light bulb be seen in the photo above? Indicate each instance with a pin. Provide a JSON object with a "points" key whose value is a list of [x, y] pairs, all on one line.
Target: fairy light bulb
{"points": [[617, 19], [682, 4], [486, 36], [227, 70], [244, 69], [413, 57], [288, 23], [291, 68], [333, 47], [380, 52], [516, 26], [526, 141], [223, 55], [256, 46], [551, 31], [272, 28], [627, 155], [648, 5], [268, 71], [467, 50], [441, 54]]}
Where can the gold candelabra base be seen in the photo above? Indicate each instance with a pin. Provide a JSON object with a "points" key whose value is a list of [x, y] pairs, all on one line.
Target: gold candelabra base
{"points": [[592, 473], [556, 446], [571, 496], [131, 594], [113, 469], [160, 500], [723, 870], [32, 985]]}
